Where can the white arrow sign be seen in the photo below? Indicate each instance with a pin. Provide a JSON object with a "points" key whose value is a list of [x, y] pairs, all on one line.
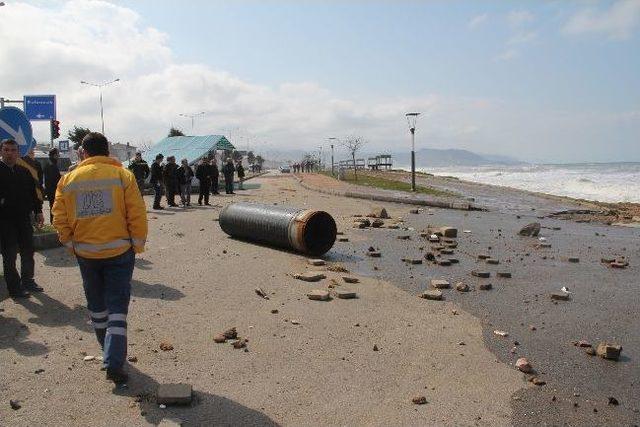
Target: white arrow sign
{"points": [[18, 135]]}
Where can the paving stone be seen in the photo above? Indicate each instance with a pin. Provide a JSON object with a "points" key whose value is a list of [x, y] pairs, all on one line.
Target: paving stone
{"points": [[433, 294], [174, 394], [609, 351], [318, 295], [344, 294], [483, 274], [310, 276], [440, 284]]}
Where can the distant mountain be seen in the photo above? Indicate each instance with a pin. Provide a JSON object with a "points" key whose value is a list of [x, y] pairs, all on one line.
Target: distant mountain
{"points": [[431, 157]]}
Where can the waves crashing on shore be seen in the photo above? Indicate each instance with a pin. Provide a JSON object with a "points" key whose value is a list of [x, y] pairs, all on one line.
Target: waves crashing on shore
{"points": [[604, 182]]}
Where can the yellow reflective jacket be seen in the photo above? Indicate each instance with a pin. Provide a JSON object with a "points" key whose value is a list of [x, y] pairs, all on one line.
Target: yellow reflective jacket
{"points": [[99, 212]]}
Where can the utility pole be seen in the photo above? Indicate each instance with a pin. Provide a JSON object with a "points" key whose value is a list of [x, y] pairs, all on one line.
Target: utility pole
{"points": [[100, 86], [332, 163], [192, 117], [411, 119]]}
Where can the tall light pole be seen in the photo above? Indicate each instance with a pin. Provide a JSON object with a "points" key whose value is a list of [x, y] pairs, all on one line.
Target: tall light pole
{"points": [[332, 167], [100, 86], [193, 116], [411, 119]]}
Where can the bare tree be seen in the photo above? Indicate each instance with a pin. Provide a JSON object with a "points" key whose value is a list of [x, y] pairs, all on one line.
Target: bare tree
{"points": [[353, 144]]}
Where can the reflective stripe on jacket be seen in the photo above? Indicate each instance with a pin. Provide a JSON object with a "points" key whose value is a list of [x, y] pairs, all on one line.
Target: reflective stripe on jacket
{"points": [[98, 210]]}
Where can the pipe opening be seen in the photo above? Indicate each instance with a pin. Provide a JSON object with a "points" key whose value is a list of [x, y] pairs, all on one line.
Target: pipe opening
{"points": [[319, 233]]}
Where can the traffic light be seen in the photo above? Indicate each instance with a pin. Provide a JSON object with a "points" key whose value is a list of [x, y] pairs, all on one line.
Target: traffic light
{"points": [[55, 129]]}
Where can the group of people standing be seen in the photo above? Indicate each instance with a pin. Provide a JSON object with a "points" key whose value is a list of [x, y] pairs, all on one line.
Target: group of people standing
{"points": [[170, 180], [303, 166]]}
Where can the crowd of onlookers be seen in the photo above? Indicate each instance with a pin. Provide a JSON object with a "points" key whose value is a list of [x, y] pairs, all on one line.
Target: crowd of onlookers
{"points": [[304, 166], [170, 180]]}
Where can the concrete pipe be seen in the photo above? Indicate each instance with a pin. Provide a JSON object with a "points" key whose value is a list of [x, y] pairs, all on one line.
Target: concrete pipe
{"points": [[307, 231]]}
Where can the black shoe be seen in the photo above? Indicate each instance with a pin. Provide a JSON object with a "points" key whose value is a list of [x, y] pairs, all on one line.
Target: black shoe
{"points": [[158, 208], [20, 294], [32, 287], [199, 203], [207, 204], [117, 375]]}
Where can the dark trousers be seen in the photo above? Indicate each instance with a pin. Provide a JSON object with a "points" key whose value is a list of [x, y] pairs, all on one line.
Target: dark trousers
{"points": [[107, 287], [140, 183], [228, 184], [16, 235], [52, 199], [204, 191], [157, 197], [171, 193], [215, 187]]}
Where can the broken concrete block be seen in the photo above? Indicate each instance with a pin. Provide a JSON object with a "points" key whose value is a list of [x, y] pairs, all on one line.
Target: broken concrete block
{"points": [[504, 274], [318, 295], [344, 294], [444, 262], [374, 254], [434, 295], [462, 287], [310, 276], [483, 274], [317, 262], [523, 365], [449, 232], [492, 261], [379, 212], [485, 286], [560, 296], [377, 223], [440, 284], [350, 279], [609, 351], [174, 394], [530, 230]]}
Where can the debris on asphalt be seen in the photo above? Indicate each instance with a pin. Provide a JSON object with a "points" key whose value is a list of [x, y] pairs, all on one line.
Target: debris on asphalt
{"points": [[166, 346], [374, 254], [530, 230], [15, 405], [609, 351], [492, 261], [419, 400], [318, 295], [238, 344], [377, 223], [337, 268], [88, 358], [613, 401], [432, 294], [375, 347], [574, 260], [412, 261], [310, 276], [523, 365], [174, 394], [132, 359]]}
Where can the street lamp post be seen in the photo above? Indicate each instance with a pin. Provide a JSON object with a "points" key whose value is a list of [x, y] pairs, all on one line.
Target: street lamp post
{"points": [[193, 116], [411, 119], [332, 167], [100, 86]]}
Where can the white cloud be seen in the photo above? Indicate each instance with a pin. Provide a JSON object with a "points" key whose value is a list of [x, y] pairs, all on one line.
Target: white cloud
{"points": [[519, 18], [618, 22], [522, 38], [477, 21]]}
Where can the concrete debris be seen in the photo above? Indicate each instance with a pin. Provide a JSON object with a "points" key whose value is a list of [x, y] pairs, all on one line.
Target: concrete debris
{"points": [[318, 295], [504, 274], [429, 256], [310, 276], [219, 339], [344, 294], [590, 351], [609, 351], [530, 230], [492, 261], [350, 279], [440, 284], [261, 293], [523, 365], [446, 251], [485, 286], [582, 343], [449, 232], [462, 287], [377, 223], [434, 238], [231, 333], [544, 245], [317, 262], [482, 274], [166, 346], [379, 212], [560, 296], [419, 400], [454, 260], [501, 333], [174, 394], [434, 295]]}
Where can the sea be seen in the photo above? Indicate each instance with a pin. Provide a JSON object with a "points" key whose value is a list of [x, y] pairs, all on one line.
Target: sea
{"points": [[604, 182]]}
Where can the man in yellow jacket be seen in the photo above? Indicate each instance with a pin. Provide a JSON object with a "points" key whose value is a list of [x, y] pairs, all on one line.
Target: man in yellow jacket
{"points": [[101, 217]]}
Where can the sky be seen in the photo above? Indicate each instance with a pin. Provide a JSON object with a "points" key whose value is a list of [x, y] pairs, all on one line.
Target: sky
{"points": [[541, 81]]}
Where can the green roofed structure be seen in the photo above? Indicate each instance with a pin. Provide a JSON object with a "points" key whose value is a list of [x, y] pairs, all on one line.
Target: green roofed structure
{"points": [[192, 148]]}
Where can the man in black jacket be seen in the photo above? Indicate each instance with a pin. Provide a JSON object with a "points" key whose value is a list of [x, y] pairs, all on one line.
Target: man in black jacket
{"points": [[170, 178], [51, 178], [204, 173], [228, 170], [215, 176], [140, 170], [156, 181], [18, 199]]}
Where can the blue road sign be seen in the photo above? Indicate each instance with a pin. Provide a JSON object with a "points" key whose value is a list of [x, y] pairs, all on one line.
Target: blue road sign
{"points": [[15, 125], [40, 107], [63, 145]]}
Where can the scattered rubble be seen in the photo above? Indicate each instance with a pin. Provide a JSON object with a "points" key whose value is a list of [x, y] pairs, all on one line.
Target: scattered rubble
{"points": [[434, 295], [492, 261], [377, 223], [523, 365], [230, 334], [310, 276], [412, 261], [530, 230], [501, 333], [609, 351], [318, 295]]}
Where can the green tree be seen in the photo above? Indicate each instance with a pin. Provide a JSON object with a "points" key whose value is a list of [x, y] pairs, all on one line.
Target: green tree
{"points": [[76, 135], [259, 160], [236, 156], [251, 158], [175, 132]]}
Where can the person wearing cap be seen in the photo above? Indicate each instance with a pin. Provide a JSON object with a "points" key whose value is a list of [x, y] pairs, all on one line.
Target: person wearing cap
{"points": [[18, 200], [101, 218], [156, 181], [228, 170], [140, 170], [51, 179]]}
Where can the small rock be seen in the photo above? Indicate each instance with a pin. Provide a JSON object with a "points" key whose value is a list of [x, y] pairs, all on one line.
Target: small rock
{"points": [[88, 358], [239, 344], [261, 293], [274, 311], [166, 346], [560, 296], [310, 276], [375, 347], [419, 400], [484, 256], [530, 230], [501, 333], [462, 287], [132, 359], [482, 274], [446, 251], [230, 334], [374, 254], [590, 351], [492, 261], [429, 256], [485, 286], [523, 365], [444, 262], [350, 279], [609, 351], [412, 261], [15, 405], [440, 284], [414, 211], [318, 295], [538, 381], [613, 401], [344, 294], [316, 262], [404, 237], [219, 339], [38, 371], [343, 239], [583, 343], [377, 223], [434, 295], [504, 274], [379, 212]]}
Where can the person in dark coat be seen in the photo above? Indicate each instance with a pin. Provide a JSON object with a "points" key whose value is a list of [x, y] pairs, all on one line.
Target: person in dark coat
{"points": [[51, 178], [18, 200], [170, 178], [204, 172], [185, 176], [156, 181], [140, 170], [240, 172], [228, 170], [215, 176]]}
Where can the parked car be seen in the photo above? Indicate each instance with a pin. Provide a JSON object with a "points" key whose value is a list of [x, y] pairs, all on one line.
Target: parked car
{"points": [[285, 169]]}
